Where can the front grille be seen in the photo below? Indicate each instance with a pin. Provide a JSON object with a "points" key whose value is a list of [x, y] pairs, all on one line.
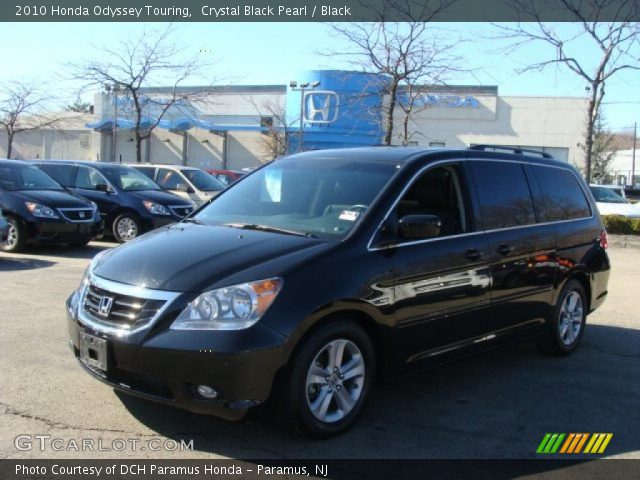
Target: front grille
{"points": [[77, 214], [119, 311], [181, 210]]}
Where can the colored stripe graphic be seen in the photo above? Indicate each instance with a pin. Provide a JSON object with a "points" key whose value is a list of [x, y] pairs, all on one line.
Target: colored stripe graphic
{"points": [[574, 442]]}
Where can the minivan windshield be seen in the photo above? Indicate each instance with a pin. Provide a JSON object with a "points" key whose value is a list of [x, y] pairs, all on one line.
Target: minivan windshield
{"points": [[128, 179], [26, 177], [607, 195], [203, 181], [319, 197]]}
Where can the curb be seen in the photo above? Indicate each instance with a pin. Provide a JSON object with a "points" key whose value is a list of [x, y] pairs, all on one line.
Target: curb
{"points": [[624, 241]]}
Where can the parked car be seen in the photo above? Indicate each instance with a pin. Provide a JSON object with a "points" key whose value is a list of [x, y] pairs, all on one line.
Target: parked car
{"points": [[187, 182], [4, 229], [227, 176], [129, 202], [325, 271], [39, 210], [611, 200]]}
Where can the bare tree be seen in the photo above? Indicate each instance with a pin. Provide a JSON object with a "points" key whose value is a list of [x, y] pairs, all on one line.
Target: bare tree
{"points": [[604, 151], [617, 43], [275, 139], [409, 53], [24, 106], [138, 62]]}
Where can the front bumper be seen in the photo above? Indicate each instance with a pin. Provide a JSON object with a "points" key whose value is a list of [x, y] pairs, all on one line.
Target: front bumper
{"points": [[62, 232], [168, 367]]}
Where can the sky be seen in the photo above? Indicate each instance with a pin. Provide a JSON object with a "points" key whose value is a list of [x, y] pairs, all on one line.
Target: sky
{"points": [[272, 53]]}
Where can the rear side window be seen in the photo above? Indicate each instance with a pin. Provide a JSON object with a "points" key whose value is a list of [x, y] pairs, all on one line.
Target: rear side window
{"points": [[169, 179], [563, 196], [505, 197], [63, 174], [149, 172]]}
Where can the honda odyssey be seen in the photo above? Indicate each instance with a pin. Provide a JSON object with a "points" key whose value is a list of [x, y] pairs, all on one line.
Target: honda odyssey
{"points": [[323, 272]]}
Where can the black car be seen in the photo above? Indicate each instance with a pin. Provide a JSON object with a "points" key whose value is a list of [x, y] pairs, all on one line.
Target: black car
{"points": [[129, 202], [324, 271], [39, 210]]}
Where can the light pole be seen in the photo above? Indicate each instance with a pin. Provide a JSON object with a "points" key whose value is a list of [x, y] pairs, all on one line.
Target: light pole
{"points": [[304, 86]]}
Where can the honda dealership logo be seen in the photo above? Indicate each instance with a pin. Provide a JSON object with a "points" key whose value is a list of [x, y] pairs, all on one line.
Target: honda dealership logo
{"points": [[321, 107]]}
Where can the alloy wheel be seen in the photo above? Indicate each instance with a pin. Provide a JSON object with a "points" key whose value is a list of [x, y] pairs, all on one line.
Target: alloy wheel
{"points": [[571, 318], [335, 380], [127, 229], [12, 236]]}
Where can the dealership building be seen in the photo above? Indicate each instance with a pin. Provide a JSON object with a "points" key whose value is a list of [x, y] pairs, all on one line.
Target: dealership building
{"points": [[230, 126]]}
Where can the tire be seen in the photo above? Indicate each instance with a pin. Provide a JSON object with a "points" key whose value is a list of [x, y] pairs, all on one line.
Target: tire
{"points": [[567, 323], [126, 227], [16, 239], [299, 390]]}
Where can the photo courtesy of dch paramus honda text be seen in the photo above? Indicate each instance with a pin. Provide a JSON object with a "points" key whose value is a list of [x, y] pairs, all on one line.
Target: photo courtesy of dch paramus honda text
{"points": [[322, 273]]}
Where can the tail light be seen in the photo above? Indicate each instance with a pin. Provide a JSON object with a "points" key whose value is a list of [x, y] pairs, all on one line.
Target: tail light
{"points": [[603, 239]]}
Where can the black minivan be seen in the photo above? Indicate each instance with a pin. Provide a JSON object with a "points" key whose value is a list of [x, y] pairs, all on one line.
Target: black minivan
{"points": [[40, 211], [129, 202], [324, 271]]}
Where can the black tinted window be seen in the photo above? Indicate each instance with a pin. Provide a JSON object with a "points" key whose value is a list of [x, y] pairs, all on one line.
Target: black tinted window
{"points": [[63, 174], [504, 193], [563, 197]]}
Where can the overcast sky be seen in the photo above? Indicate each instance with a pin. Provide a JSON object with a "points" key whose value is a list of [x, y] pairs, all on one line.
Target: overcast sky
{"points": [[272, 53]]}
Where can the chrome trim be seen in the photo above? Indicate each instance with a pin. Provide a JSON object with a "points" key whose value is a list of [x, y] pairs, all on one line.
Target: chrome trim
{"points": [[90, 219], [104, 326], [460, 160], [173, 207]]}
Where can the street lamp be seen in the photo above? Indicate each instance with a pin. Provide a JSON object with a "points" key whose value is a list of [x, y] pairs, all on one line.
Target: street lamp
{"points": [[302, 87]]}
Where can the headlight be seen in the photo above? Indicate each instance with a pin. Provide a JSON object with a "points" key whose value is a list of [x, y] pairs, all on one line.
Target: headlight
{"points": [[230, 308], [155, 208], [41, 211]]}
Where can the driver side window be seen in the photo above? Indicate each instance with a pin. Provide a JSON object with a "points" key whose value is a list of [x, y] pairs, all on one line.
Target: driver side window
{"points": [[87, 178], [439, 192]]}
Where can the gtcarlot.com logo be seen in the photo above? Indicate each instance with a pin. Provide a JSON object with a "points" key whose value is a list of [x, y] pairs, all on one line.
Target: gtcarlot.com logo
{"points": [[574, 443]]}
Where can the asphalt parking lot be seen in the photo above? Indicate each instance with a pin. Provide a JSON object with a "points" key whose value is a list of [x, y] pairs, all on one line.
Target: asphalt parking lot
{"points": [[498, 405]]}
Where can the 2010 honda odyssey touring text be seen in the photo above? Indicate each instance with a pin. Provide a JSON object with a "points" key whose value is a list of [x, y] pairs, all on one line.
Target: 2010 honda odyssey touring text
{"points": [[322, 272]]}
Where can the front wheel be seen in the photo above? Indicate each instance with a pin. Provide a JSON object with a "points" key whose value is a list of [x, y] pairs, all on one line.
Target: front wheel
{"points": [[568, 321], [126, 227], [16, 238], [328, 381]]}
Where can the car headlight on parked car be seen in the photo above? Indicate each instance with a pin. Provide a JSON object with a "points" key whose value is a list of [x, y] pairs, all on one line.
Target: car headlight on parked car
{"points": [[41, 211], [155, 208], [230, 308]]}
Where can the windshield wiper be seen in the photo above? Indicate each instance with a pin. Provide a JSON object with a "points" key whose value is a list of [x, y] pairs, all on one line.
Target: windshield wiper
{"points": [[267, 228], [192, 220]]}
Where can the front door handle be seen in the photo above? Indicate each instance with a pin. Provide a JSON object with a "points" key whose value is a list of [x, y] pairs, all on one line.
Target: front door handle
{"points": [[504, 249], [473, 254]]}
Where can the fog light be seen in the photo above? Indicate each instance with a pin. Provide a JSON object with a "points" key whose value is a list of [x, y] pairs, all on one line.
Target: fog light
{"points": [[207, 392]]}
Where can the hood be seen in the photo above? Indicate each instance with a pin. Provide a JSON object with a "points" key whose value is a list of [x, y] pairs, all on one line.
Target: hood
{"points": [[624, 209], [189, 257], [158, 196], [53, 198]]}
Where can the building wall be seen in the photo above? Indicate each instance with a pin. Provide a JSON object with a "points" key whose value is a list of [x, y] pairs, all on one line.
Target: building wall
{"points": [[558, 124], [53, 144]]}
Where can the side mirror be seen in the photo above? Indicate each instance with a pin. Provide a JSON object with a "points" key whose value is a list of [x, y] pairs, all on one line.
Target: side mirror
{"points": [[183, 187], [102, 187], [415, 227]]}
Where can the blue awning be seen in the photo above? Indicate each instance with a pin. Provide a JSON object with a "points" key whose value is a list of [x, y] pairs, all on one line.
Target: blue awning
{"points": [[182, 124]]}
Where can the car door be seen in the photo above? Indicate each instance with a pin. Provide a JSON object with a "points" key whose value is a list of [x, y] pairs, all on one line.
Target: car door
{"points": [[86, 184], [441, 284], [522, 251]]}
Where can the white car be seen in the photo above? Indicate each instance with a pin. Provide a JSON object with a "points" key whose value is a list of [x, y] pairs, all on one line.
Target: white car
{"points": [[187, 182], [611, 200]]}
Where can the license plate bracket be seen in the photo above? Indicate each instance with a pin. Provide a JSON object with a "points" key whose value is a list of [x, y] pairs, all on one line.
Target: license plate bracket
{"points": [[93, 351]]}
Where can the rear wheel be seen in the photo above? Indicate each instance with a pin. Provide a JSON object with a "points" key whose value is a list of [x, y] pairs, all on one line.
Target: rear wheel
{"points": [[126, 227], [568, 321], [328, 381], [16, 238]]}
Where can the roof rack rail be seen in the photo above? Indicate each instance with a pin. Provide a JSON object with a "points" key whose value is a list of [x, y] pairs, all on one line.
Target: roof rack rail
{"points": [[516, 150]]}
